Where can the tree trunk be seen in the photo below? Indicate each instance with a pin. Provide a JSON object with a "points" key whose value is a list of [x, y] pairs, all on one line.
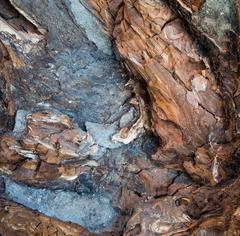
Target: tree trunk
{"points": [[120, 117]]}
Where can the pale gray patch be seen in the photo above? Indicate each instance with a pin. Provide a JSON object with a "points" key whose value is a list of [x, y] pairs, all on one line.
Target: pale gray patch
{"points": [[87, 21], [127, 118], [215, 19], [92, 211], [102, 134], [20, 122]]}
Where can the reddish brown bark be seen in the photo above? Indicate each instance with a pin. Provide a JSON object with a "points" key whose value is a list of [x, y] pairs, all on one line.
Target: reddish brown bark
{"points": [[185, 55]]}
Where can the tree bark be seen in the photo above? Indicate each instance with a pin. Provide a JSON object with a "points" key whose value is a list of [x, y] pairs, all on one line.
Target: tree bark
{"points": [[126, 111]]}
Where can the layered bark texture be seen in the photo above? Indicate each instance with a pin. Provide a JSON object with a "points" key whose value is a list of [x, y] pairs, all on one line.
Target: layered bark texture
{"points": [[16, 220], [191, 75], [119, 117]]}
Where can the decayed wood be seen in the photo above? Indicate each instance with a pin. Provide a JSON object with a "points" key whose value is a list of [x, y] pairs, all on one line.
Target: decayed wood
{"points": [[185, 51], [192, 96], [18, 221]]}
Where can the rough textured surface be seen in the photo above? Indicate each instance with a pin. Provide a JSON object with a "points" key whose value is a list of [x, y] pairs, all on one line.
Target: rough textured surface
{"points": [[19, 221], [84, 83], [192, 97], [93, 212], [69, 63], [181, 213]]}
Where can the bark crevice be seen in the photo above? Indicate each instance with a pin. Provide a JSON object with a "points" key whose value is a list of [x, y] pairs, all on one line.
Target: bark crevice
{"points": [[126, 108]]}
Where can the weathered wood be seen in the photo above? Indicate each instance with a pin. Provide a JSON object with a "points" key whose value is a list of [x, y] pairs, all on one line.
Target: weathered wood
{"points": [[85, 84]]}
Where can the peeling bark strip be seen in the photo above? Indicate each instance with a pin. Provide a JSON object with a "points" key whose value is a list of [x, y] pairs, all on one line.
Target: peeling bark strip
{"points": [[75, 125]]}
